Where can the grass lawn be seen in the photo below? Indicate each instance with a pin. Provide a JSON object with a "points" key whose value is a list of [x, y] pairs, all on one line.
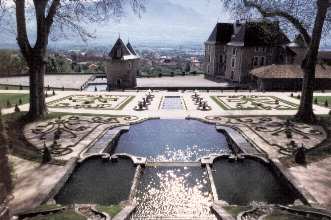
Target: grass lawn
{"points": [[279, 215], [321, 100], [65, 215], [13, 99], [235, 210], [111, 210]]}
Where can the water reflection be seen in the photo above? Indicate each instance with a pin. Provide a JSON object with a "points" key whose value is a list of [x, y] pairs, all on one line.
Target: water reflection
{"points": [[174, 192], [172, 140]]}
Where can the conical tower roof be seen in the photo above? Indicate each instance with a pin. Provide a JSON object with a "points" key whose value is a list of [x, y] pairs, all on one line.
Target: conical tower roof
{"points": [[119, 50], [129, 46]]}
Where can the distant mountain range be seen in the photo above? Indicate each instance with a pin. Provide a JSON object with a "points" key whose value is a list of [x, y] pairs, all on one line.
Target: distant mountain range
{"points": [[165, 22]]}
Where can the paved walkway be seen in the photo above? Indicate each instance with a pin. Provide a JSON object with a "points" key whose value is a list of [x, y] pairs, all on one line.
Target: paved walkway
{"points": [[73, 81], [33, 183], [316, 179], [179, 81]]}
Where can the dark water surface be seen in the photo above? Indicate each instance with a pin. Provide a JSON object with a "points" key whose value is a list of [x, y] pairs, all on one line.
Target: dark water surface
{"points": [[243, 182], [98, 182]]}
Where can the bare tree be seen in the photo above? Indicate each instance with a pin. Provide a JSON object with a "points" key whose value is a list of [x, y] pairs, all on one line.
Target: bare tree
{"points": [[310, 18], [55, 18]]}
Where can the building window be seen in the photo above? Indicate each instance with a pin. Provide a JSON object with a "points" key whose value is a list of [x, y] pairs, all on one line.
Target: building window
{"points": [[221, 59], [130, 66], [256, 61], [263, 49], [257, 49], [232, 75], [234, 51], [262, 61], [233, 62]]}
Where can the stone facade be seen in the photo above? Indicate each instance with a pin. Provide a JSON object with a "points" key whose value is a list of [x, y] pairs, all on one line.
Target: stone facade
{"points": [[232, 50], [122, 66]]}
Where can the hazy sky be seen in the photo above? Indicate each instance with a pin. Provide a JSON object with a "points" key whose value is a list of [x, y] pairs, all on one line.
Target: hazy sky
{"points": [[165, 22]]}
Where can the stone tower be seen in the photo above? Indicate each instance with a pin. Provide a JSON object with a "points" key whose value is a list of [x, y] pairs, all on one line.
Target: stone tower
{"points": [[122, 66]]}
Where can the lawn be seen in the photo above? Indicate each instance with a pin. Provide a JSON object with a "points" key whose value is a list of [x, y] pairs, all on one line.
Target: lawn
{"points": [[65, 215], [280, 215], [111, 210], [321, 100], [12, 99], [235, 210]]}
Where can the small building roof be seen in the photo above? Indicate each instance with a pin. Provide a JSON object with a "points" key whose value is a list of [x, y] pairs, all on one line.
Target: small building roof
{"points": [[121, 51], [289, 72]]}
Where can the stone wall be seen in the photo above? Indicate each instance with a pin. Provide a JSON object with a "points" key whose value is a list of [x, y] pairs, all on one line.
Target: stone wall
{"points": [[122, 74]]}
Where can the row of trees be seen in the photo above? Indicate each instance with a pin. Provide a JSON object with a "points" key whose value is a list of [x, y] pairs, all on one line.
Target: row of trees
{"points": [[11, 63], [54, 18]]}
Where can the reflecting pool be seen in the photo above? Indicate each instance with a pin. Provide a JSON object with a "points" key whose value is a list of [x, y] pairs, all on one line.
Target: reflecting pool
{"points": [[172, 140], [172, 103], [174, 192], [242, 182], [98, 182]]}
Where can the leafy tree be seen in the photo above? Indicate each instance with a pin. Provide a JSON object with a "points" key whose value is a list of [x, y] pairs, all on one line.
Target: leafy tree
{"points": [[11, 63], [310, 18], [56, 19]]}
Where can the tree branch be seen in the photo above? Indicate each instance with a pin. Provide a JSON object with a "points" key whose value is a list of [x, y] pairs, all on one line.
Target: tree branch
{"points": [[42, 35], [51, 14], [278, 13]]}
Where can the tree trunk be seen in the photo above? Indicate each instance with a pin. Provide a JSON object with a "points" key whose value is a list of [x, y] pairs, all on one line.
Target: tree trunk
{"points": [[37, 71], [306, 113], [5, 177]]}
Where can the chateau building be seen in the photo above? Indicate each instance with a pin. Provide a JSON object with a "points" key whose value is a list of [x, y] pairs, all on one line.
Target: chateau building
{"points": [[232, 50], [122, 66]]}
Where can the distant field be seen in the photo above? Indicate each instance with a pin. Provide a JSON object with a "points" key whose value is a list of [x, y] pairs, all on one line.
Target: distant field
{"points": [[13, 99]]}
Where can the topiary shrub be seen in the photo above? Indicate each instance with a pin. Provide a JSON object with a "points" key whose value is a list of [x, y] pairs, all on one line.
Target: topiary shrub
{"points": [[17, 109], [47, 156], [8, 104]]}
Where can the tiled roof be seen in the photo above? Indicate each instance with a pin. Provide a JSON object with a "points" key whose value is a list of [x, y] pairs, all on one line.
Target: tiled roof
{"points": [[121, 51], [222, 33], [260, 34], [129, 46], [289, 72]]}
